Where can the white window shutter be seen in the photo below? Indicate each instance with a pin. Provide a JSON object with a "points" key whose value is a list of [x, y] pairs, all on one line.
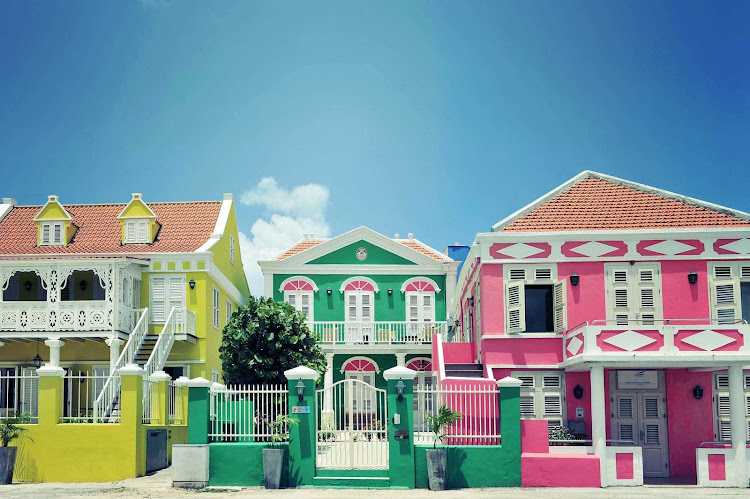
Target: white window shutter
{"points": [[725, 298], [29, 391], [515, 313], [130, 232], [176, 297], [158, 299], [561, 315], [57, 239], [143, 232]]}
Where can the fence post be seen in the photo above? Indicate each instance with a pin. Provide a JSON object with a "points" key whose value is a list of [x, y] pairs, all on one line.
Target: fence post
{"points": [[160, 398], [199, 400], [131, 414], [182, 401], [302, 438], [50, 394], [510, 425], [401, 468]]}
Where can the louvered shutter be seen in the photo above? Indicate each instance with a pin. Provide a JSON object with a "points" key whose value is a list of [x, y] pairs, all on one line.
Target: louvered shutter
{"points": [[57, 239], [29, 391], [45, 233], [216, 308], [143, 232], [552, 392], [561, 315], [652, 435], [648, 294], [130, 232], [527, 405], [100, 375], [176, 298], [725, 298], [515, 314], [621, 296], [158, 299]]}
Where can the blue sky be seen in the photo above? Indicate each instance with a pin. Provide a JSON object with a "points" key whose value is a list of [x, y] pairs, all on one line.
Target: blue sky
{"points": [[437, 118]]}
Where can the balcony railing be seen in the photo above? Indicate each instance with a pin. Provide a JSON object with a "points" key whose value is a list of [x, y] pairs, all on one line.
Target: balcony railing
{"points": [[93, 315], [377, 333], [184, 322], [664, 339]]}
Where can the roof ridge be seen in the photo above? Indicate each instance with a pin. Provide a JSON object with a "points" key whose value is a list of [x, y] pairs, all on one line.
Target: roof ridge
{"points": [[215, 201]]}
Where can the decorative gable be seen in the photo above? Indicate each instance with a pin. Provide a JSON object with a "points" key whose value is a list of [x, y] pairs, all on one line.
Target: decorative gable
{"points": [[54, 224], [361, 253], [138, 222]]}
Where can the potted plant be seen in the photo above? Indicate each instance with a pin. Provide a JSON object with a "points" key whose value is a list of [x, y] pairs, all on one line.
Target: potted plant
{"points": [[10, 430], [273, 457], [437, 458]]}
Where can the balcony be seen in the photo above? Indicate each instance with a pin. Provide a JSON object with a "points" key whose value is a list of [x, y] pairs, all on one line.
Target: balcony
{"points": [[378, 333], [667, 342]]}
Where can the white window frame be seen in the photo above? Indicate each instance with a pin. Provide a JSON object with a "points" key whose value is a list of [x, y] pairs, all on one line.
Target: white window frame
{"points": [[137, 231], [422, 314], [538, 391], [229, 310], [51, 240], [216, 300], [514, 302], [627, 301], [724, 280], [295, 299], [358, 391], [231, 248], [172, 283], [215, 376], [721, 411]]}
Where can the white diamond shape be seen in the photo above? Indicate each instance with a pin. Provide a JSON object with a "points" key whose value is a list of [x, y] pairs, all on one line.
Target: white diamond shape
{"points": [[520, 250], [594, 249], [708, 340], [741, 246], [670, 247], [574, 345], [630, 340]]}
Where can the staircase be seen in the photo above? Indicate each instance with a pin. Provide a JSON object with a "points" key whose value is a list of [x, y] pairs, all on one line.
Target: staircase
{"points": [[145, 349], [464, 370]]}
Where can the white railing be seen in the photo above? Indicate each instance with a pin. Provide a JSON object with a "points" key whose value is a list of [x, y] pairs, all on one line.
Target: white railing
{"points": [[127, 317], [163, 345], [244, 413], [176, 409], [478, 404], [377, 333], [88, 315], [150, 406], [184, 321], [665, 339], [19, 395], [109, 397], [79, 398]]}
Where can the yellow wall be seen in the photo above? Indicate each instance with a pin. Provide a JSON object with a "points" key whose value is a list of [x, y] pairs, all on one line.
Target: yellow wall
{"points": [[234, 272]]}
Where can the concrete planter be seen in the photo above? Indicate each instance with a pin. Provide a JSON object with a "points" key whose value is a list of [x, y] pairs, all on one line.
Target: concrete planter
{"points": [[7, 464], [436, 464], [272, 464]]}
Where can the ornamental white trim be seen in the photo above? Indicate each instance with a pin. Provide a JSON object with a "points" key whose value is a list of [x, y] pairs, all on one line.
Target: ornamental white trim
{"points": [[412, 280], [359, 278], [360, 357], [298, 278]]}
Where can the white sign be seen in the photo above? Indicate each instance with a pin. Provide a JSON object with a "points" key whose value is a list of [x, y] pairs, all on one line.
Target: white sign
{"points": [[637, 380], [301, 409]]}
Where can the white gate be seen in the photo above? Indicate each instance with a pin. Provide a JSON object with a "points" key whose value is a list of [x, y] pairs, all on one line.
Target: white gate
{"points": [[352, 426]]}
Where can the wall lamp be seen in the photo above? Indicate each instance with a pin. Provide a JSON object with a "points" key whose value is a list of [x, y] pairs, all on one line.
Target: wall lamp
{"points": [[578, 392], [83, 285], [300, 386], [400, 386], [192, 283], [574, 279], [693, 277], [698, 392], [27, 286], [390, 291], [471, 301], [329, 291]]}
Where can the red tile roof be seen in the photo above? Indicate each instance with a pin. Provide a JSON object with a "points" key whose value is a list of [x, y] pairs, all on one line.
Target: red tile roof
{"points": [[424, 249], [598, 204], [300, 247], [409, 243], [185, 227]]}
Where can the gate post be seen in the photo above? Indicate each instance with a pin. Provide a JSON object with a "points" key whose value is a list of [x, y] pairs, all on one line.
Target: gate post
{"points": [[401, 469], [510, 426], [302, 441], [199, 400]]}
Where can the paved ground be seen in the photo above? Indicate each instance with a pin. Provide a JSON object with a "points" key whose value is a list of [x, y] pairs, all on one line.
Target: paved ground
{"points": [[159, 485]]}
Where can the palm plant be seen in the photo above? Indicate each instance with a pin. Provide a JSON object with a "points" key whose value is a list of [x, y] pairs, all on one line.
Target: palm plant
{"points": [[11, 429], [278, 427], [437, 422]]}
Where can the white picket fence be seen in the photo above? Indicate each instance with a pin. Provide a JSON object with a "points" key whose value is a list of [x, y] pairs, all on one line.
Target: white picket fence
{"points": [[150, 409], [19, 393], [478, 404], [176, 409], [244, 413]]}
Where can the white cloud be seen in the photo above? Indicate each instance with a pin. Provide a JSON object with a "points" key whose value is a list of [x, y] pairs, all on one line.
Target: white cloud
{"points": [[289, 215]]}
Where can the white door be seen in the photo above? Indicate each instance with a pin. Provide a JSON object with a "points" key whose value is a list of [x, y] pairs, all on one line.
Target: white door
{"points": [[100, 377], [420, 309], [641, 418], [359, 316]]}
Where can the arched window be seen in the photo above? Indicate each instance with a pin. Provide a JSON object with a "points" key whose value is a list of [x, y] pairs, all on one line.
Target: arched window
{"points": [[359, 297], [420, 299], [299, 293], [360, 364]]}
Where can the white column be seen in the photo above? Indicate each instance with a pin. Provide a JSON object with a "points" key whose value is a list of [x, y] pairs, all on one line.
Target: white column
{"points": [[599, 420], [401, 359], [737, 424], [54, 345], [114, 352], [327, 384]]}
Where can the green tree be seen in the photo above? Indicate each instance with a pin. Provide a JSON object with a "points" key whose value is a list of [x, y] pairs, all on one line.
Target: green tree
{"points": [[265, 338]]}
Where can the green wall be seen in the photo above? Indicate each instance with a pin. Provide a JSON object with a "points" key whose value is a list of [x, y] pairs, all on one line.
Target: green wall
{"points": [[348, 256], [241, 464], [384, 362], [473, 466], [387, 308]]}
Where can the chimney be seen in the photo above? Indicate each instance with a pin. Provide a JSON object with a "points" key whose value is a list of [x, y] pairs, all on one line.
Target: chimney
{"points": [[308, 236], [10, 201], [137, 195]]}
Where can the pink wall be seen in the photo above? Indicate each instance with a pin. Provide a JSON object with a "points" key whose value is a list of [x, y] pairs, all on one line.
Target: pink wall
{"points": [[477, 401], [459, 353], [491, 288], [586, 302], [682, 300], [690, 420], [571, 380], [521, 351]]}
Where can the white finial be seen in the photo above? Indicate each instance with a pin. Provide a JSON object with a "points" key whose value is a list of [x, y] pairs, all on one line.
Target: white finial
{"points": [[411, 235], [137, 195], [396, 235]]}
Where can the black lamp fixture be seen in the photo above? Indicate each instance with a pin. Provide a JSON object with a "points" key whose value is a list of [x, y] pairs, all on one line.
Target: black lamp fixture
{"points": [[83, 285], [37, 358], [390, 291], [400, 386], [329, 291], [698, 392], [578, 392], [574, 279], [27, 286], [693, 277], [300, 386], [191, 282], [471, 301]]}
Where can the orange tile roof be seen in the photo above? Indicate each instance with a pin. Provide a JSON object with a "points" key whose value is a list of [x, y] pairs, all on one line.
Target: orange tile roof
{"points": [[424, 249], [300, 247], [185, 226], [598, 204], [409, 243]]}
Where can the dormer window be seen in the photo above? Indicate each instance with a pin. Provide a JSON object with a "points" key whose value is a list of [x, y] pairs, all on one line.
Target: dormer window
{"points": [[136, 231], [52, 234]]}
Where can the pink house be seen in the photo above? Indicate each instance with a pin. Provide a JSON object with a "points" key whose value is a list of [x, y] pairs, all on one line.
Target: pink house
{"points": [[623, 309]]}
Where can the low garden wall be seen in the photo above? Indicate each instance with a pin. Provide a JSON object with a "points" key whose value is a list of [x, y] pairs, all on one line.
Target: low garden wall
{"points": [[473, 466], [241, 464]]}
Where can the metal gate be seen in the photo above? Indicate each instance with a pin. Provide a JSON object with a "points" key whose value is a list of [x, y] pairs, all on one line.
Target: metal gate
{"points": [[352, 426]]}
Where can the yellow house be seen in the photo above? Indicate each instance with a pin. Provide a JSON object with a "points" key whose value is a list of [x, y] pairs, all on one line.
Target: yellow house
{"points": [[88, 289]]}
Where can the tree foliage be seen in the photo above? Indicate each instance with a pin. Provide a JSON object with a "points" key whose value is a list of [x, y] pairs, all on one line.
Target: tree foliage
{"points": [[265, 338]]}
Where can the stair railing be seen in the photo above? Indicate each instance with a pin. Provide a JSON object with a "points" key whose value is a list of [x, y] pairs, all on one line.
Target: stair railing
{"points": [[107, 398], [164, 344]]}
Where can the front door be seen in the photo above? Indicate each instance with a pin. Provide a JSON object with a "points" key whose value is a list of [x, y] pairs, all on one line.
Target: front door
{"points": [[358, 316], [641, 418]]}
